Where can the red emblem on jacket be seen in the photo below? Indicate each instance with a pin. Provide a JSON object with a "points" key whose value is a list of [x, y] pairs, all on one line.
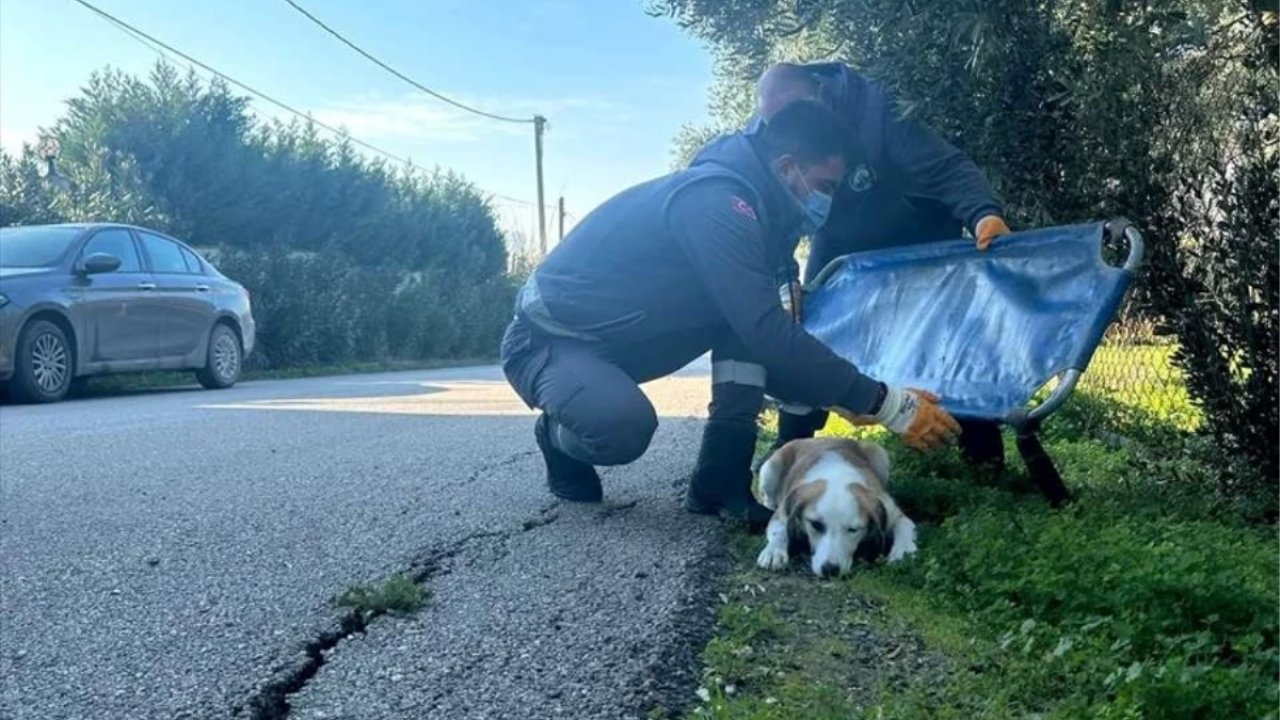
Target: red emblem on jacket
{"points": [[740, 206]]}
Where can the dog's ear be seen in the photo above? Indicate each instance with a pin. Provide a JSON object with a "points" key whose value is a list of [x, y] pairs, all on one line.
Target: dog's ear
{"points": [[877, 540], [801, 495], [880, 518], [773, 472], [877, 457], [872, 508]]}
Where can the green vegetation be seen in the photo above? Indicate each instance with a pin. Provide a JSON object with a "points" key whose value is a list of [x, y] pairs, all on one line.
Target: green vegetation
{"points": [[399, 594], [1166, 113], [1150, 597], [347, 260]]}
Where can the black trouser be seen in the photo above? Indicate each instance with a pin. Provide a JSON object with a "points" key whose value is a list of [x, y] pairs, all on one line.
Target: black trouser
{"points": [[591, 391]]}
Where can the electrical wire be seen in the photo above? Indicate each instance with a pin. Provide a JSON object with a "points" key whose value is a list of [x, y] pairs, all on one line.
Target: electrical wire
{"points": [[160, 47], [401, 75]]}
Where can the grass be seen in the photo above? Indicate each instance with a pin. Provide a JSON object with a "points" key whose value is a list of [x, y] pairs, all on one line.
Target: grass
{"points": [[397, 595], [1149, 597]]}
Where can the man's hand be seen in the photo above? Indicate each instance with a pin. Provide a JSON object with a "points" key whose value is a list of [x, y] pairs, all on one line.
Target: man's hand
{"points": [[793, 300], [989, 228], [915, 415]]}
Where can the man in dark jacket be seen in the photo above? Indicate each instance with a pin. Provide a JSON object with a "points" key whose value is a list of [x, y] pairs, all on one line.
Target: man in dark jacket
{"points": [[905, 184], [670, 269]]}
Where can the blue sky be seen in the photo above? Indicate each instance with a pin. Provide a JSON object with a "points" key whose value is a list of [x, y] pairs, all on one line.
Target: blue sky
{"points": [[614, 83]]}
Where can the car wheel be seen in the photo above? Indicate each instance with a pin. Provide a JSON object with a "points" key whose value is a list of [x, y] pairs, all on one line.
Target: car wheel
{"points": [[222, 368], [44, 365]]}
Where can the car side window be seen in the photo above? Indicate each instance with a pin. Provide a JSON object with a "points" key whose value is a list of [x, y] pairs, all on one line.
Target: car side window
{"points": [[117, 242], [193, 263], [166, 255]]}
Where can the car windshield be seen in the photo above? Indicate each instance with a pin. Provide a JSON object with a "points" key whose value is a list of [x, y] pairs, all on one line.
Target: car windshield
{"points": [[34, 246]]}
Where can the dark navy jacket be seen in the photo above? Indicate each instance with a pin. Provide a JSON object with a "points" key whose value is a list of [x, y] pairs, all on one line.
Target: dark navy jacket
{"points": [[699, 249], [905, 183]]}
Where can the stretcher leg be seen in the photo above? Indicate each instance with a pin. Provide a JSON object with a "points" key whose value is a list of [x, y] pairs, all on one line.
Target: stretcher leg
{"points": [[1041, 467]]}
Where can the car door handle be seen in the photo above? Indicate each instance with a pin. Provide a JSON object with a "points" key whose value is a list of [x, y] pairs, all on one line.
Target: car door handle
{"points": [[146, 286], [202, 288]]}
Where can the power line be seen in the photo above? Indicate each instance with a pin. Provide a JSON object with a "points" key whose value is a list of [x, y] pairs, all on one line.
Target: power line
{"points": [[401, 75], [140, 35], [151, 42]]}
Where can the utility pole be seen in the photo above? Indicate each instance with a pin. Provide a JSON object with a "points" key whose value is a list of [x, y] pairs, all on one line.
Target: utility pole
{"points": [[539, 125], [561, 217]]}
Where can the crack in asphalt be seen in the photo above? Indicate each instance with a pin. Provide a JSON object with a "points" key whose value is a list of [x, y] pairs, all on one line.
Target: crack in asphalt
{"points": [[505, 462], [271, 700]]}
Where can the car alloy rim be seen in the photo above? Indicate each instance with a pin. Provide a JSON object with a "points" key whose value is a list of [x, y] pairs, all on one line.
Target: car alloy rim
{"points": [[226, 361], [49, 362]]}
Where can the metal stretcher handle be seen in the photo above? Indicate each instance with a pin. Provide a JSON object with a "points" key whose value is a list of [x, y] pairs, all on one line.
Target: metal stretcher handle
{"points": [[827, 271], [1019, 418], [1137, 248]]}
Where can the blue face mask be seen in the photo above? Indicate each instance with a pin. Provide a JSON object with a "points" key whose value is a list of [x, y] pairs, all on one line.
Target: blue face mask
{"points": [[817, 207]]}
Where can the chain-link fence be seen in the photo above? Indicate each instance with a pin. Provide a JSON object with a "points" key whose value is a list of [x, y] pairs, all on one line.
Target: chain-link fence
{"points": [[1132, 381]]}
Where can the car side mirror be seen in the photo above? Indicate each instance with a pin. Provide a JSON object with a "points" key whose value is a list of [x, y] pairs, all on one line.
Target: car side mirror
{"points": [[98, 263]]}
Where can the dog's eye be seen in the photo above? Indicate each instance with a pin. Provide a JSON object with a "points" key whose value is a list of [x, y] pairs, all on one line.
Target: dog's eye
{"points": [[818, 525], [855, 530]]}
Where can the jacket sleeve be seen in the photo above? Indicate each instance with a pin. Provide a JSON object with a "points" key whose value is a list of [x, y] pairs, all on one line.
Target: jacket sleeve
{"points": [[936, 169], [717, 230]]}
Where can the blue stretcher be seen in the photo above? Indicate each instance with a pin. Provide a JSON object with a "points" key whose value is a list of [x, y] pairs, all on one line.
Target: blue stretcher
{"points": [[984, 330]]}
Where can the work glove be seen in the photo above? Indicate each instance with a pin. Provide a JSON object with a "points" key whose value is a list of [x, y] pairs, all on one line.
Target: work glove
{"points": [[988, 229], [793, 299], [913, 414]]}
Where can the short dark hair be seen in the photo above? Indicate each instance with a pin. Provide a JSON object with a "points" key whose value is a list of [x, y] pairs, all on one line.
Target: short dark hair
{"points": [[807, 130]]}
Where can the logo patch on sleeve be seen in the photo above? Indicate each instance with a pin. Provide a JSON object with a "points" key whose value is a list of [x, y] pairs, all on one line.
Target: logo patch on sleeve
{"points": [[741, 207]]}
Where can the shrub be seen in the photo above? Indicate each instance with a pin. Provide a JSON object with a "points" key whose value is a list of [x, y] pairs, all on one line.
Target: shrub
{"points": [[323, 309]]}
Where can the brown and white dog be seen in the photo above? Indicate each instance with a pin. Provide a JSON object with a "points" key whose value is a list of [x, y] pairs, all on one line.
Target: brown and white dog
{"points": [[832, 491]]}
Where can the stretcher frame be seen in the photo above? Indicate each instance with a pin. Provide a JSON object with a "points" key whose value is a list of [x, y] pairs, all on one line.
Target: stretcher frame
{"points": [[1027, 421]]}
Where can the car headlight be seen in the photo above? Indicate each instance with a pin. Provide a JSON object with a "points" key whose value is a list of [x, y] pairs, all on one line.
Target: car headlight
{"points": [[4, 300]]}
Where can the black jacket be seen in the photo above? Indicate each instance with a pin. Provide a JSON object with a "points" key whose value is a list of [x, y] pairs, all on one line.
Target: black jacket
{"points": [[703, 247], [905, 183]]}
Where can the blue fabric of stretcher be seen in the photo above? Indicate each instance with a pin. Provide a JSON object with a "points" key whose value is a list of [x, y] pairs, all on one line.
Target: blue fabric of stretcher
{"points": [[984, 330]]}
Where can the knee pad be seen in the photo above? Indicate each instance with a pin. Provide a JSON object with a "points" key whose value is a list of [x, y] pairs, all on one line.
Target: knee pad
{"points": [[624, 441]]}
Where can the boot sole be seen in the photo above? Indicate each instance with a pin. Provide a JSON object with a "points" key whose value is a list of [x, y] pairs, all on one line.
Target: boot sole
{"points": [[569, 497], [755, 528]]}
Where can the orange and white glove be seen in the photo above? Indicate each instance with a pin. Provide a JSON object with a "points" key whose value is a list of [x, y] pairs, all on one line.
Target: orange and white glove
{"points": [[988, 229], [914, 414]]}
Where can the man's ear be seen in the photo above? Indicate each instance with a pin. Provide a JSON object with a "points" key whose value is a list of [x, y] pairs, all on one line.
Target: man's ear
{"points": [[784, 165]]}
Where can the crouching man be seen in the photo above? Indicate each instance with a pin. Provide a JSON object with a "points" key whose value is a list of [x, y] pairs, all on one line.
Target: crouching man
{"points": [[673, 268]]}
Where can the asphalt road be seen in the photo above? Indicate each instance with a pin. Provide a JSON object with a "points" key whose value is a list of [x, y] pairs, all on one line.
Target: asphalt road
{"points": [[175, 555]]}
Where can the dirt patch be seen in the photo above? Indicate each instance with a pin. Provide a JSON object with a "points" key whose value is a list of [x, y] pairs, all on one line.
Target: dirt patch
{"points": [[789, 645]]}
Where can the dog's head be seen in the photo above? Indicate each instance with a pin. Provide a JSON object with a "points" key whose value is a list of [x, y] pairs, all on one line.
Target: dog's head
{"points": [[836, 514]]}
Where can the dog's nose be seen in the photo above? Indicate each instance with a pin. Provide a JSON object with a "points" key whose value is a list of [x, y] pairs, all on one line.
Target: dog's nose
{"points": [[830, 569]]}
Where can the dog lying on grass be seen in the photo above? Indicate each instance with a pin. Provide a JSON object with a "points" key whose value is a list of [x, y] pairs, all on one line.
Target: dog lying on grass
{"points": [[832, 493]]}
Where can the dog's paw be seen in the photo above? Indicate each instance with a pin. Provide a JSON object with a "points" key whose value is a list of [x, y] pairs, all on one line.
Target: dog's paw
{"points": [[902, 550], [773, 558]]}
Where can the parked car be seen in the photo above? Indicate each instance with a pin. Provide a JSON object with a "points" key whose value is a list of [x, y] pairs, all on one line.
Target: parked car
{"points": [[92, 299]]}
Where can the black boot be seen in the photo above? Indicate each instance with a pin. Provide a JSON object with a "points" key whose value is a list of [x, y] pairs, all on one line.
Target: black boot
{"points": [[567, 478], [721, 481], [981, 444], [796, 427]]}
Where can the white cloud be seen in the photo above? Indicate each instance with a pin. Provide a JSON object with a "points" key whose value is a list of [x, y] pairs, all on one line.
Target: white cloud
{"points": [[11, 139]]}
